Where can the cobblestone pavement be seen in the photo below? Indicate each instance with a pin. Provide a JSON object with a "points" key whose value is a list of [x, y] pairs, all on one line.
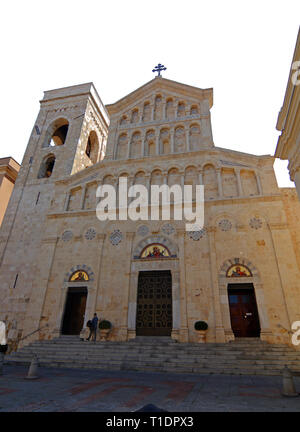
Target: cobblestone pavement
{"points": [[67, 390]]}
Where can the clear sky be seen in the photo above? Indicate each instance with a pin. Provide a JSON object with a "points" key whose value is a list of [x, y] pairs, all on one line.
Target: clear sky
{"points": [[243, 49]]}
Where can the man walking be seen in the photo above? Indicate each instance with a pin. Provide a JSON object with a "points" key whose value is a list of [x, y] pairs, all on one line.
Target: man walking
{"points": [[93, 328]]}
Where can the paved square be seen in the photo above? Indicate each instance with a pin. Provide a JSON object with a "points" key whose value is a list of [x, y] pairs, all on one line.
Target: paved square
{"points": [[67, 390]]}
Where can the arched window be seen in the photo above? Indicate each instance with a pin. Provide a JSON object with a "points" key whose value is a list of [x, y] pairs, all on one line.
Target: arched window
{"points": [[194, 110], [134, 116], [46, 167], [92, 147], [57, 133], [181, 109], [123, 120], [146, 112], [122, 148], [79, 276]]}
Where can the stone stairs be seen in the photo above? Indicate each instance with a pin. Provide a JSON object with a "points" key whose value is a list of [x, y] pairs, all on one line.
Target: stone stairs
{"points": [[162, 354]]}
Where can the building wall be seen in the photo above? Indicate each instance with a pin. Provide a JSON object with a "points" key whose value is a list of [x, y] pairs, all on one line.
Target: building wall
{"points": [[51, 229]]}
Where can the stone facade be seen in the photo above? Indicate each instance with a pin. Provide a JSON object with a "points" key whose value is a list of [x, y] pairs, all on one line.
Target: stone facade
{"points": [[159, 134], [288, 146], [9, 169]]}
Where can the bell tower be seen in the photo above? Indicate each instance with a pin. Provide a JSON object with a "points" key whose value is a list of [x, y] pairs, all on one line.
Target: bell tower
{"points": [[69, 135]]}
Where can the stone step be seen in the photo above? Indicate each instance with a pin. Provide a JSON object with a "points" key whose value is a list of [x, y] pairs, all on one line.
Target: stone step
{"points": [[145, 360], [162, 355], [179, 355]]}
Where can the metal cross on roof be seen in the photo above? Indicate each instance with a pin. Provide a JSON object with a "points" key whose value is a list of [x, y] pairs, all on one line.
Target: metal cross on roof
{"points": [[159, 68]]}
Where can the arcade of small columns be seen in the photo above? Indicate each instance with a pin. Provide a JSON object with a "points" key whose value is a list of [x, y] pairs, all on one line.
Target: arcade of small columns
{"points": [[179, 139], [242, 183], [160, 107], [193, 124]]}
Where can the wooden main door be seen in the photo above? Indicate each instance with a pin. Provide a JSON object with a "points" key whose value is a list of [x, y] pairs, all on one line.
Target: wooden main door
{"points": [[243, 310], [154, 304], [74, 311]]}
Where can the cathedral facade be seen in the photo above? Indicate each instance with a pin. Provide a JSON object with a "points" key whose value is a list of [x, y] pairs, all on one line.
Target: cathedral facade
{"points": [[59, 264]]}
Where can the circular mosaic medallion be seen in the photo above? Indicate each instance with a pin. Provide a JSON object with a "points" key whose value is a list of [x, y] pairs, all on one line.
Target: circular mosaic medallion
{"points": [[225, 225], [197, 235], [168, 229], [67, 235], [143, 230], [255, 223], [90, 234], [116, 237]]}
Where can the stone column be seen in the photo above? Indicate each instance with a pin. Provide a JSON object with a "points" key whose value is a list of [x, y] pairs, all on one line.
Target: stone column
{"points": [[143, 143], [152, 106], [157, 135], [265, 331], [258, 182], [219, 330], [184, 331], [239, 183], [67, 200], [125, 330], [176, 103], [172, 132], [129, 144], [225, 311], [90, 309], [164, 107], [83, 192], [175, 305], [220, 186], [141, 109], [187, 139], [132, 304]]}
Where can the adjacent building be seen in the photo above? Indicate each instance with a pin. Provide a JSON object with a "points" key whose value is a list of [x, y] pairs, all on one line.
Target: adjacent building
{"points": [[288, 146]]}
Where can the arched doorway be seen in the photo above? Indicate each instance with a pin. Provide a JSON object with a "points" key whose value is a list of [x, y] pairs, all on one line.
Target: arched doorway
{"points": [[242, 303], [154, 284], [154, 303], [75, 304]]}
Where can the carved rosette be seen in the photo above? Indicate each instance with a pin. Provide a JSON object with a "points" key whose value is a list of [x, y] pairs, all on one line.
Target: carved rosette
{"points": [[255, 223], [116, 237], [143, 230], [197, 235], [168, 229], [90, 234]]}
